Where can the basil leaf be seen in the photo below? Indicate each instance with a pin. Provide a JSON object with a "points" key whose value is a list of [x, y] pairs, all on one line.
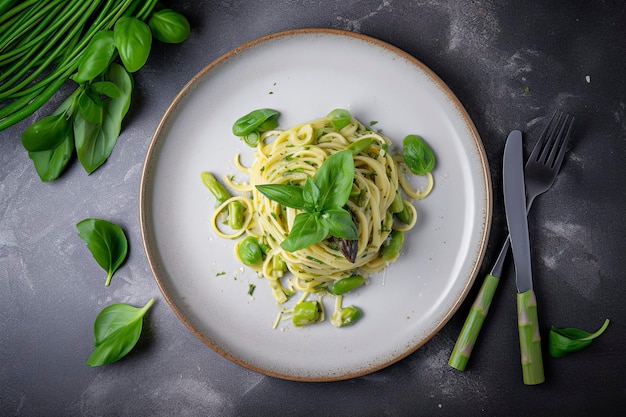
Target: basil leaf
{"points": [[90, 109], [311, 194], [340, 223], [307, 230], [96, 57], [50, 163], [106, 88], [46, 133], [571, 339], [95, 142], [252, 121], [116, 331], [334, 178], [285, 194], [107, 243], [169, 26], [133, 41], [418, 156], [340, 118]]}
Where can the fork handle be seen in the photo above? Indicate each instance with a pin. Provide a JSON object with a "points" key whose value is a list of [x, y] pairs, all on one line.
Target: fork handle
{"points": [[529, 338], [473, 323]]}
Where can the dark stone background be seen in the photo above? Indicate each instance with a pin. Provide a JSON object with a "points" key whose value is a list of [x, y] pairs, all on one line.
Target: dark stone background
{"points": [[510, 63]]}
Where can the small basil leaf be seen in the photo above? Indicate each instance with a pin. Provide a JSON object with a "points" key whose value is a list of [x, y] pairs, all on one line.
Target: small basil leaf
{"points": [[50, 163], [107, 243], [311, 194], [117, 329], [285, 194], [307, 230], [133, 41], [252, 121], [96, 57], [169, 26], [418, 156], [340, 223], [106, 88], [340, 118], [95, 142], [334, 179], [571, 339], [46, 133], [359, 145], [90, 109]]}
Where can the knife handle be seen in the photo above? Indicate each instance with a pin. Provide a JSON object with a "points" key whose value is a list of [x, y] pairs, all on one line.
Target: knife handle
{"points": [[473, 323], [529, 338]]}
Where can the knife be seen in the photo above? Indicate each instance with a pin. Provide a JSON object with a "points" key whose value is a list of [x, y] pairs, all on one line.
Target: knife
{"points": [[517, 222]]}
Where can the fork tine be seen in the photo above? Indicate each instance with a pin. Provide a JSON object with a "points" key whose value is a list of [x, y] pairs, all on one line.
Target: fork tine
{"points": [[562, 147], [544, 139]]}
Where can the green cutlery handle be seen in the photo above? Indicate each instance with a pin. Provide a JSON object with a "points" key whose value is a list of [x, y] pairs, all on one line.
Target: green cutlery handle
{"points": [[473, 323], [529, 338]]}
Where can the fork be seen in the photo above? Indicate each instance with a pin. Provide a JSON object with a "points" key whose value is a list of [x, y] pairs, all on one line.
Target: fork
{"points": [[540, 171]]}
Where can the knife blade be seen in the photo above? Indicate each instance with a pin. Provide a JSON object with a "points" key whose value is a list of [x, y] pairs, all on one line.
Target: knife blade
{"points": [[517, 222]]}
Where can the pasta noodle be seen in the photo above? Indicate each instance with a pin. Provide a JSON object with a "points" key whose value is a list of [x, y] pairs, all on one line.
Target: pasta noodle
{"points": [[289, 157]]}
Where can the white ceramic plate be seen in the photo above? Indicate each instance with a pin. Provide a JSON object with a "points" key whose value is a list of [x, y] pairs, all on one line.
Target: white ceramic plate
{"points": [[304, 74]]}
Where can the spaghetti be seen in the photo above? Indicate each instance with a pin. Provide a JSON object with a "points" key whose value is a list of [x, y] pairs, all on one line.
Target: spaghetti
{"points": [[290, 157]]}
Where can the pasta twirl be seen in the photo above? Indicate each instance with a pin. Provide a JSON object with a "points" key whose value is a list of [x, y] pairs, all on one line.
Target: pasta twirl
{"points": [[290, 157]]}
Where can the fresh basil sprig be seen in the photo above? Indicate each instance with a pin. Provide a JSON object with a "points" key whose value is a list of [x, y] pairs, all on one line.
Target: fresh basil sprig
{"points": [[83, 43], [107, 243], [571, 339], [116, 331], [321, 202]]}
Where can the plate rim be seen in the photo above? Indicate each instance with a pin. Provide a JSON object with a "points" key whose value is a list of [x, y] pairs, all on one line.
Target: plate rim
{"points": [[155, 144]]}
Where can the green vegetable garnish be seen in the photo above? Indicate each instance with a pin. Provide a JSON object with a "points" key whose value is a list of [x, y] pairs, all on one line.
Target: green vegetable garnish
{"points": [[391, 249], [249, 251], [339, 118], [306, 312], [321, 202], [418, 156], [261, 118], [251, 288], [345, 316], [571, 339], [43, 44], [347, 284], [216, 188], [116, 331], [107, 243]]}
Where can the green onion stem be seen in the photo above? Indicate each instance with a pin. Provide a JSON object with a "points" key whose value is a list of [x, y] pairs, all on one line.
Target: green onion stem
{"points": [[63, 43]]}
